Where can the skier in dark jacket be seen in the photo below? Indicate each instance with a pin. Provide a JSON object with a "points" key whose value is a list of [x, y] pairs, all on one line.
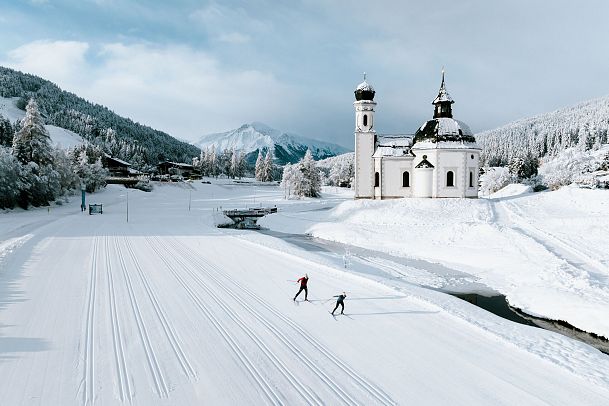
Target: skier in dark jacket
{"points": [[340, 301], [303, 286]]}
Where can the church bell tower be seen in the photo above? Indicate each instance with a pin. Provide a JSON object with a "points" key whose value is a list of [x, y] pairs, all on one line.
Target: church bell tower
{"points": [[365, 140]]}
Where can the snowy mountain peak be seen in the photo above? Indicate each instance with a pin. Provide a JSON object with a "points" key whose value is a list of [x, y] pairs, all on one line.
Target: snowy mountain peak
{"points": [[257, 136]]}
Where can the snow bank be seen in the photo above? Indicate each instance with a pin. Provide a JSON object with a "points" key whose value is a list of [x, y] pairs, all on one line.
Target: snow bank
{"points": [[513, 189]]}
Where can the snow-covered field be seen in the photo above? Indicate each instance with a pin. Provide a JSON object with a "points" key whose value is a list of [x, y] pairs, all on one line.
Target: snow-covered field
{"points": [[547, 252], [167, 309]]}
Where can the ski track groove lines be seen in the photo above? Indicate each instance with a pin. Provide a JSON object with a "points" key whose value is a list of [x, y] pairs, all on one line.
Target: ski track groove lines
{"points": [[153, 363], [515, 211], [376, 392], [89, 353], [266, 388], [304, 391], [368, 387], [124, 388], [338, 391], [171, 334]]}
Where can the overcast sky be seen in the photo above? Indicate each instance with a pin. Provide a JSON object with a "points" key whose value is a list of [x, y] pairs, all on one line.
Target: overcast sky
{"points": [[194, 67]]}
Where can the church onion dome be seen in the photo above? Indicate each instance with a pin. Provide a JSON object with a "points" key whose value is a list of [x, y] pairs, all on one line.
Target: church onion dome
{"points": [[443, 127], [364, 91]]}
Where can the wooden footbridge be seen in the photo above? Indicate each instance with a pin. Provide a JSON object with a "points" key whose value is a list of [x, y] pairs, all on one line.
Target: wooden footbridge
{"points": [[247, 218]]}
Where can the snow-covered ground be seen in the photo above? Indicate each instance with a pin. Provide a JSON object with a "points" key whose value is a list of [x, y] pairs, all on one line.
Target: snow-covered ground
{"points": [[59, 136], [545, 251], [167, 309]]}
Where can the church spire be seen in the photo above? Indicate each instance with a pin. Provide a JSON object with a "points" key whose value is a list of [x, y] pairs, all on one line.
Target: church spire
{"points": [[443, 102]]}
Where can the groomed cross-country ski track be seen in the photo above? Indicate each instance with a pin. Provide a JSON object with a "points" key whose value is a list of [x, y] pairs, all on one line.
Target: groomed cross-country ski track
{"points": [[166, 309]]}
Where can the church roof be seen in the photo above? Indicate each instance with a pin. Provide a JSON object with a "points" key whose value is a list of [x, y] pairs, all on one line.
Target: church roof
{"points": [[443, 95], [444, 129], [394, 140], [396, 146], [365, 86], [424, 163], [364, 91]]}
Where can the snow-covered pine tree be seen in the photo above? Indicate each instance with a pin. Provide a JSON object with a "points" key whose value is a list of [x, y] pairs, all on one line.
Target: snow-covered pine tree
{"points": [[524, 166], [92, 175], [98, 176], [65, 171], [495, 179], [242, 164], [292, 180], [203, 162], [234, 164], [268, 167], [311, 186], [223, 162], [212, 162], [258, 169], [302, 179], [10, 179], [6, 132], [32, 142], [111, 143]]}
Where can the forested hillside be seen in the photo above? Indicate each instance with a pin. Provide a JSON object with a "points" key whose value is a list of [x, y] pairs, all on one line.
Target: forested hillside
{"points": [[584, 125], [126, 139]]}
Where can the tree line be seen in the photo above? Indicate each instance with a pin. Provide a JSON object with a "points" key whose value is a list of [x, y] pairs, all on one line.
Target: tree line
{"points": [[32, 172], [130, 141]]}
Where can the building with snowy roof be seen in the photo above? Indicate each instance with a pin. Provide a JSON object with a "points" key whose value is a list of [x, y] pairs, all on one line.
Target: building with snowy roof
{"points": [[440, 160]]}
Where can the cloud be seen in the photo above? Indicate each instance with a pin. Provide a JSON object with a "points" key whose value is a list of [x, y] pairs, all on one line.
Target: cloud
{"points": [[234, 38], [173, 88], [57, 61], [228, 24]]}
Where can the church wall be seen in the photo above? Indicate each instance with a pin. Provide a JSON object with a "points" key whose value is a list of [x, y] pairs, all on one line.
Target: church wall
{"points": [[460, 163], [450, 161], [472, 165], [378, 168], [424, 179], [393, 170], [364, 169]]}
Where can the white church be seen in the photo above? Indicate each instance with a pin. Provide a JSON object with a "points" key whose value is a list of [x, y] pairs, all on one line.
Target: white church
{"points": [[440, 160]]}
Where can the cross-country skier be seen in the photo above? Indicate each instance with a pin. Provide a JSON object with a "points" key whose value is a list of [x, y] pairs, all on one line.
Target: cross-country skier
{"points": [[340, 301], [303, 286]]}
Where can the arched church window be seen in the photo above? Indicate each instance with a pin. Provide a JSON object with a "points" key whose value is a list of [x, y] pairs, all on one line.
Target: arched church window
{"points": [[377, 180], [406, 179], [365, 119], [450, 178], [471, 179]]}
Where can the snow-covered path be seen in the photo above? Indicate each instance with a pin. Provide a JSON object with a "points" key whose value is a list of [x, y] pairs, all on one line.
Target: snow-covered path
{"points": [[168, 310]]}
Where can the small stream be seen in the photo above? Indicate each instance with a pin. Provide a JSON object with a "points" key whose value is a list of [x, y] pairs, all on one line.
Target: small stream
{"points": [[450, 281]]}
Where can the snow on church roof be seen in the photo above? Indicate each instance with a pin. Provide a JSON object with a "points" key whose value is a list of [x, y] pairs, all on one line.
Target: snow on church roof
{"points": [[396, 146], [394, 140], [365, 86], [445, 145], [443, 95], [451, 126], [444, 129]]}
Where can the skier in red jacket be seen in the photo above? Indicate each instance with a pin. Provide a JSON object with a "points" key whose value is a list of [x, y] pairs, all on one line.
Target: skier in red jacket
{"points": [[303, 286]]}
